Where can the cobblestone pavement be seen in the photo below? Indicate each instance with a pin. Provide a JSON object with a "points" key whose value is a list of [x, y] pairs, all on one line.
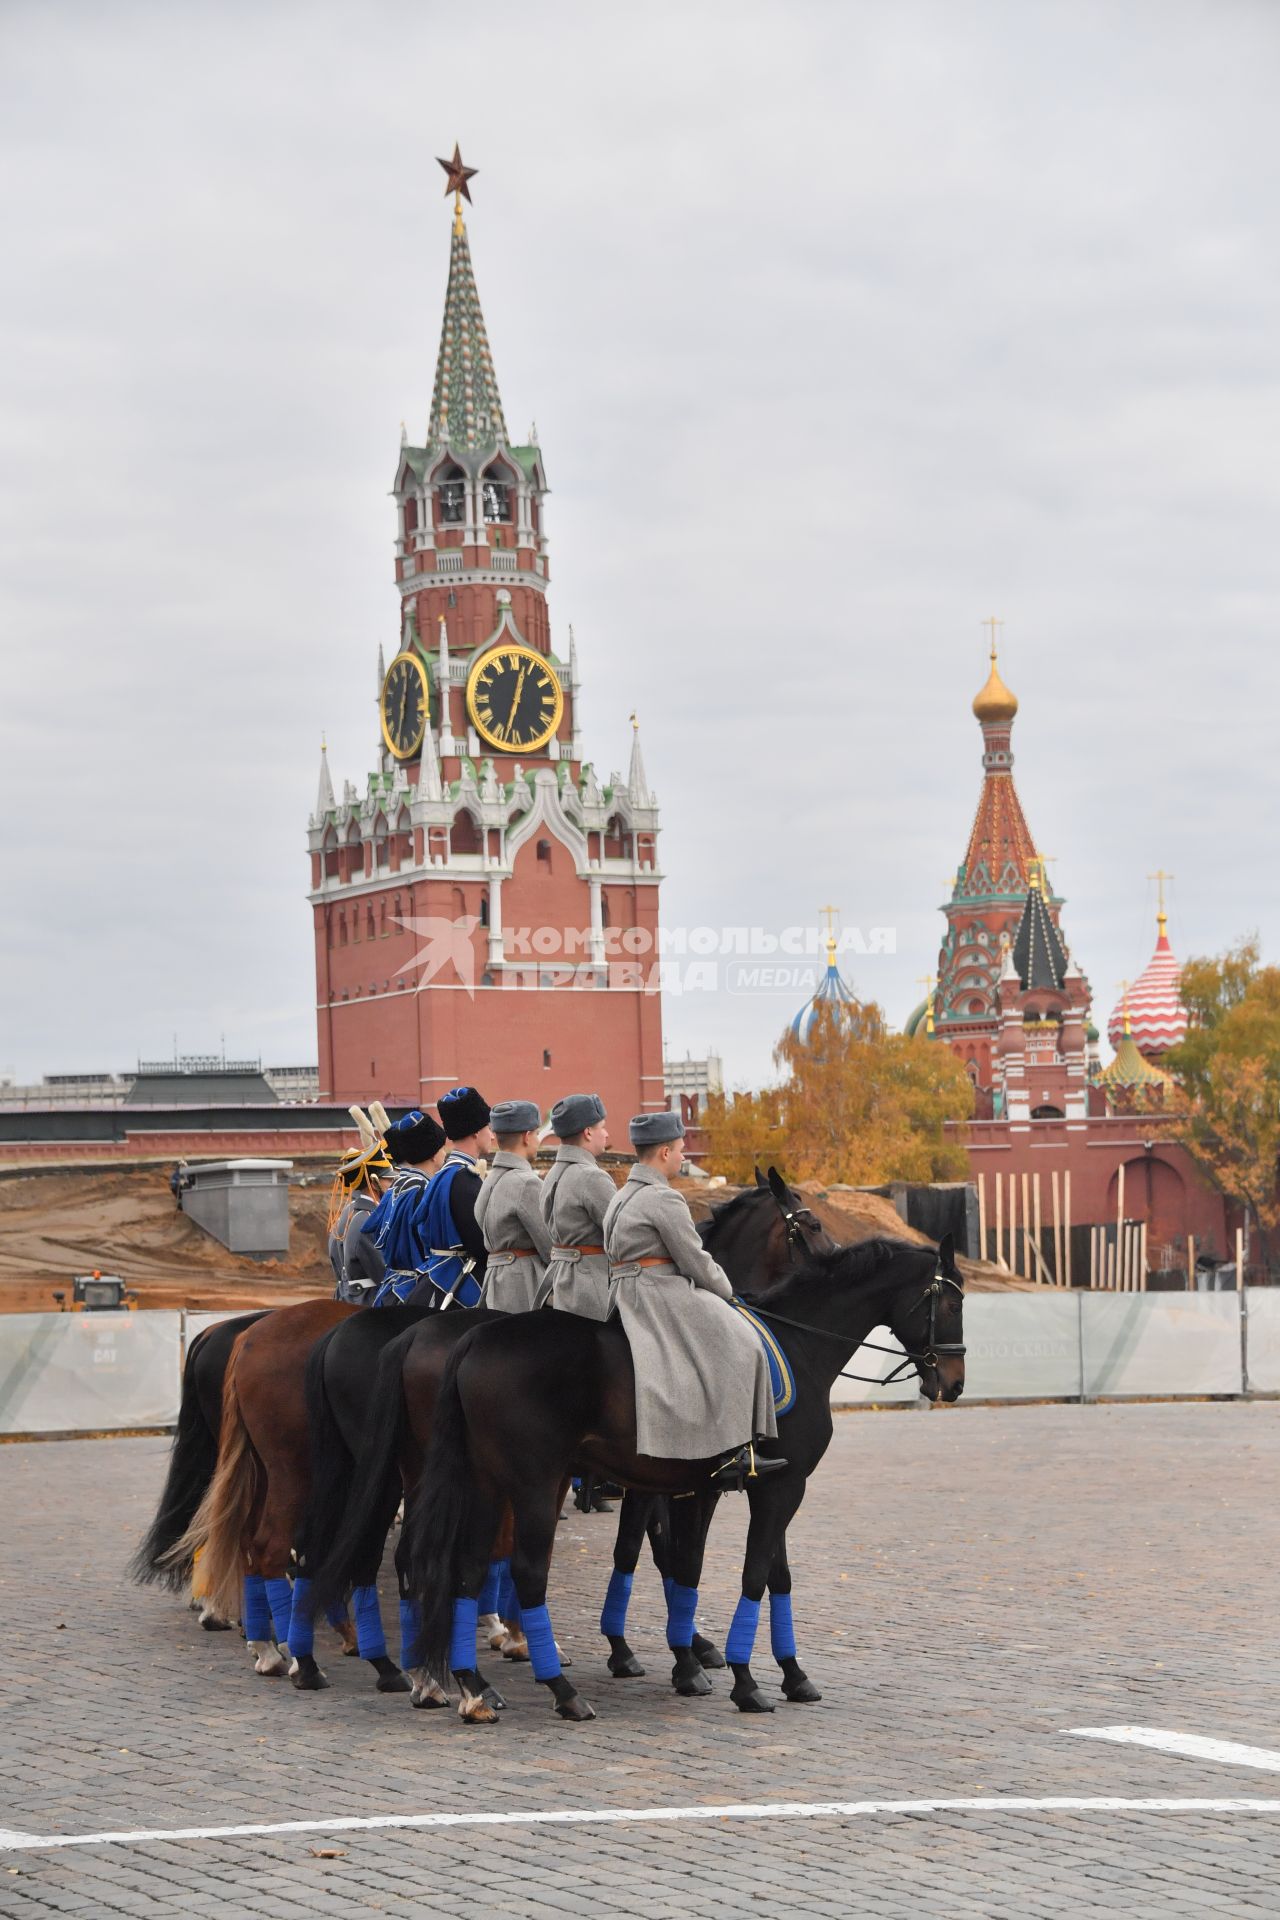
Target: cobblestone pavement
{"points": [[969, 1583]]}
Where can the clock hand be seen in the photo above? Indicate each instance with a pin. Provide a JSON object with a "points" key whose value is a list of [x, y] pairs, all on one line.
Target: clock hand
{"points": [[515, 698]]}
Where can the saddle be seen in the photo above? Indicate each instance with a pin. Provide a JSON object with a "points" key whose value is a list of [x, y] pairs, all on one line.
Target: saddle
{"points": [[781, 1378]]}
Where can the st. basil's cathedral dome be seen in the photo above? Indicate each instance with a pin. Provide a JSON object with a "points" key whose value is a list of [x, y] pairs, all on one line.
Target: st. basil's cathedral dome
{"points": [[1157, 1018]]}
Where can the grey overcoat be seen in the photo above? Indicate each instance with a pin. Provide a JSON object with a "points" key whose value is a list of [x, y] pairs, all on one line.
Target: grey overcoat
{"points": [[702, 1380], [509, 1215], [575, 1197]]}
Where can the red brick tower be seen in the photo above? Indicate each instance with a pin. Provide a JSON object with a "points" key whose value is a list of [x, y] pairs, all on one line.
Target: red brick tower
{"points": [[1008, 999], [487, 910]]}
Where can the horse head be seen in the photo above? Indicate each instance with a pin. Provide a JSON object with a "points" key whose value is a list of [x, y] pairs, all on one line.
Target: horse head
{"points": [[804, 1231], [930, 1323]]}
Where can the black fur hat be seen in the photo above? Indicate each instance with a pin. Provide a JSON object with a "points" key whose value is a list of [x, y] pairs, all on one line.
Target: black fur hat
{"points": [[413, 1138], [463, 1112]]}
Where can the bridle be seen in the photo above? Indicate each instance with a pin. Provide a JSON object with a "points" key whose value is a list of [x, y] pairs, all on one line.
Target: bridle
{"points": [[797, 1221], [935, 1350]]}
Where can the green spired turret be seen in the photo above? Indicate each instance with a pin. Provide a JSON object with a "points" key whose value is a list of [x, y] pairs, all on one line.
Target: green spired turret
{"points": [[466, 407]]}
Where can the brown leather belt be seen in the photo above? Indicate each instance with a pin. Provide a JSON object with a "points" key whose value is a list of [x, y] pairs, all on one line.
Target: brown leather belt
{"points": [[515, 1253], [556, 1250], [650, 1260]]}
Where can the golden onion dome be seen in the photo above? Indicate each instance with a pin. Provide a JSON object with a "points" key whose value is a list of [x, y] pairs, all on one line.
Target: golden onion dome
{"points": [[995, 702]]}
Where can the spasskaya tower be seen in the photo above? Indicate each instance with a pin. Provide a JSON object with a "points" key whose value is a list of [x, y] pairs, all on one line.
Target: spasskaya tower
{"points": [[486, 909]]}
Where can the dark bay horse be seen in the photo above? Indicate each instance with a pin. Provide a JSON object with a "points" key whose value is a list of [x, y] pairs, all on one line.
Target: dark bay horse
{"points": [[398, 1356], [245, 1524], [521, 1403]]}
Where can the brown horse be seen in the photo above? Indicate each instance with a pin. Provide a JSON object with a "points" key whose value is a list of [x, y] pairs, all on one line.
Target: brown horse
{"points": [[246, 1522]]}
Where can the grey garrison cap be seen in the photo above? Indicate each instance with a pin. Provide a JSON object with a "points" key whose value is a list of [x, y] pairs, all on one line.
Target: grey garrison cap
{"points": [[575, 1113], [655, 1129], [516, 1116]]}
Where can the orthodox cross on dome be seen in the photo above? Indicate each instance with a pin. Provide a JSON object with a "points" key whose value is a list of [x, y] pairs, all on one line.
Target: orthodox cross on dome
{"points": [[1162, 918], [829, 914], [929, 982], [990, 620]]}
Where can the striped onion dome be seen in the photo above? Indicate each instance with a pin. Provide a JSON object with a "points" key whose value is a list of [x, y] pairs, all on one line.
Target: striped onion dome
{"points": [[833, 991], [1157, 1018]]}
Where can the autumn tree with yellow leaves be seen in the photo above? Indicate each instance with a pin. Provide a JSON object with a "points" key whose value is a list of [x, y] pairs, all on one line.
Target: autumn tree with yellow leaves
{"points": [[856, 1105], [1228, 1069]]}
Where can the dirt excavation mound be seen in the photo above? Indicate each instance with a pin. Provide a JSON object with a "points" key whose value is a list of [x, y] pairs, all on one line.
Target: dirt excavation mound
{"points": [[53, 1226]]}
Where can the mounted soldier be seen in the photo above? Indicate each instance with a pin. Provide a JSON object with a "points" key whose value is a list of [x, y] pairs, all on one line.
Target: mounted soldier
{"points": [[451, 1249], [702, 1379], [415, 1144], [509, 1213], [576, 1195]]}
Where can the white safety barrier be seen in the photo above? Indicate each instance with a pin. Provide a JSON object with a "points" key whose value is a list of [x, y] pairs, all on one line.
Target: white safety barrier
{"points": [[1160, 1343], [88, 1372], [1262, 1308], [98, 1372]]}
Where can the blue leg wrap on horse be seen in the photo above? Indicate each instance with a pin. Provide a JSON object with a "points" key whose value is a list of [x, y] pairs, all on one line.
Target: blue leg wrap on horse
{"points": [[462, 1647], [491, 1591], [782, 1632], [410, 1633], [742, 1634], [255, 1612], [280, 1601], [302, 1624], [336, 1615], [542, 1643], [508, 1599], [667, 1584], [682, 1604], [614, 1617], [371, 1641]]}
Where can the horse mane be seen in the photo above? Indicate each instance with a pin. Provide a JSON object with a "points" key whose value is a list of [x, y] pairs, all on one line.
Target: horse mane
{"points": [[859, 1266], [740, 1203]]}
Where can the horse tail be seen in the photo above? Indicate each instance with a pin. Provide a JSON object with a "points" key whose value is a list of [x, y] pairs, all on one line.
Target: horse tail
{"points": [[350, 1556], [192, 1460], [438, 1520], [332, 1466], [221, 1520]]}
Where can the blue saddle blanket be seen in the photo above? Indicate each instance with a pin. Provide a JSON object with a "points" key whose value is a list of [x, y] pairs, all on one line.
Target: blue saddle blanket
{"points": [[781, 1378]]}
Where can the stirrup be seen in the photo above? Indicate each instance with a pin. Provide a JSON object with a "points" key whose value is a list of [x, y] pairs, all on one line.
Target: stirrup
{"points": [[736, 1469]]}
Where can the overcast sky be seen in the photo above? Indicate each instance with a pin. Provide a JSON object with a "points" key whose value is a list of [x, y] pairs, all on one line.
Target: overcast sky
{"points": [[844, 326]]}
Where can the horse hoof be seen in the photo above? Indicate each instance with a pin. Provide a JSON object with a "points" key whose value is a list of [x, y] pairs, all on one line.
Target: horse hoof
{"points": [[801, 1693], [270, 1666], [213, 1623], [627, 1668], [498, 1639], [351, 1652], [691, 1686], [708, 1653], [513, 1649], [575, 1708], [393, 1683], [308, 1679], [428, 1697], [476, 1713], [492, 1698], [751, 1701]]}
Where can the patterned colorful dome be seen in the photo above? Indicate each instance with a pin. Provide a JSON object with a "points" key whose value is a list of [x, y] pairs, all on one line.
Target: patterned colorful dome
{"points": [[833, 991], [1157, 1018]]}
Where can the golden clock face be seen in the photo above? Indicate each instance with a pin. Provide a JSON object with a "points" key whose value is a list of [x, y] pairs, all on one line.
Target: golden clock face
{"points": [[514, 699], [405, 705]]}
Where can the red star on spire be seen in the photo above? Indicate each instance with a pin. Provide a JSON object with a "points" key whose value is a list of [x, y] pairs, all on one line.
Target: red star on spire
{"points": [[458, 174]]}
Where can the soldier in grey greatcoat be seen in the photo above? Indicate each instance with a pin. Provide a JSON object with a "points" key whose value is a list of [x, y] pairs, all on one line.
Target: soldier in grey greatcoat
{"points": [[702, 1380], [575, 1196], [509, 1213]]}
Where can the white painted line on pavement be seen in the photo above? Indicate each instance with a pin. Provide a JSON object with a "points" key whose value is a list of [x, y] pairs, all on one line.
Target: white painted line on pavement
{"points": [[1193, 1746], [593, 1816]]}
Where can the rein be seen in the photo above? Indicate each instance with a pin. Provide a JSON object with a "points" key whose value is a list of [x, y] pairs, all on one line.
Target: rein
{"points": [[935, 1350]]}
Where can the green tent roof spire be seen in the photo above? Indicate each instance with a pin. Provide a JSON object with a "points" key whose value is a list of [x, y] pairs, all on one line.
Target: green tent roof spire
{"points": [[466, 407]]}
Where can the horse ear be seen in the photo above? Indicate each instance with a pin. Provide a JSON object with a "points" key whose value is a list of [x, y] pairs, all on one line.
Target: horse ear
{"points": [[760, 1179], [779, 1188], [947, 1252]]}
